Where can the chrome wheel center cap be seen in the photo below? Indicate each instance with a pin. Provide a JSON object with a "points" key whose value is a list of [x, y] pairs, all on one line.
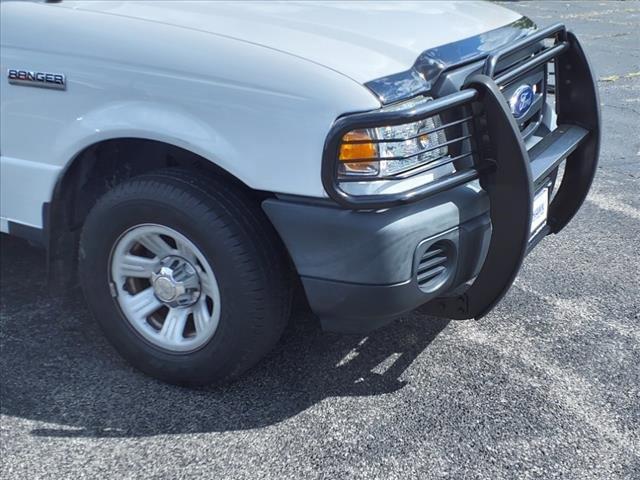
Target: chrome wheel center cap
{"points": [[165, 289], [176, 283]]}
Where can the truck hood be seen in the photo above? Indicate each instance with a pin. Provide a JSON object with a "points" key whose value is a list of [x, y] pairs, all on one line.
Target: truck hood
{"points": [[363, 40]]}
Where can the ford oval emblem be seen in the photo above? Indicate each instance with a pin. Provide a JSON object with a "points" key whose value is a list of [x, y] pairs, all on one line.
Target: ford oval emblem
{"points": [[521, 100]]}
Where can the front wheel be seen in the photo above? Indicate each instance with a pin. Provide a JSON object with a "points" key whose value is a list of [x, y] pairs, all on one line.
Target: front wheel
{"points": [[186, 277]]}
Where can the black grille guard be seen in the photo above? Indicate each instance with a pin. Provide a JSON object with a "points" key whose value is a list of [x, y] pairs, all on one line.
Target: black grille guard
{"points": [[509, 174]]}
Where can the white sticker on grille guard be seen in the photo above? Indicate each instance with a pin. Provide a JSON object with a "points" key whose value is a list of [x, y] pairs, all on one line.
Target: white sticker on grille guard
{"points": [[540, 209]]}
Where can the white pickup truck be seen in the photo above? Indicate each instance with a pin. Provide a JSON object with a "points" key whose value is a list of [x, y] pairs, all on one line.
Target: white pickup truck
{"points": [[194, 164]]}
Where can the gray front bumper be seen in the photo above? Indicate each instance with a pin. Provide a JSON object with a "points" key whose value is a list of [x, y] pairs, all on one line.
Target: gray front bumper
{"points": [[358, 268]]}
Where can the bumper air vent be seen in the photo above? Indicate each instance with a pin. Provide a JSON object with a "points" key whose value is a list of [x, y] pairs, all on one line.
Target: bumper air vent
{"points": [[434, 266]]}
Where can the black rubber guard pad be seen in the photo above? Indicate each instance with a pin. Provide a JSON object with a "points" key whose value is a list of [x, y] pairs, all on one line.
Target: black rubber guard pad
{"points": [[510, 190]]}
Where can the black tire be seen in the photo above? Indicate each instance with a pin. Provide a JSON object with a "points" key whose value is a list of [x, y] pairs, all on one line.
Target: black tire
{"points": [[248, 259]]}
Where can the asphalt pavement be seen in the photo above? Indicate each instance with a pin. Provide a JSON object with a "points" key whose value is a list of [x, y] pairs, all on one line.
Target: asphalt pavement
{"points": [[547, 386]]}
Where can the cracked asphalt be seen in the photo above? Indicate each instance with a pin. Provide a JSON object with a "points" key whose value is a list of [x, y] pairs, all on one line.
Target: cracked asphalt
{"points": [[547, 386]]}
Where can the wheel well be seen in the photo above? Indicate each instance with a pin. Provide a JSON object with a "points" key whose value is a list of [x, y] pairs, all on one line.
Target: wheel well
{"points": [[92, 173]]}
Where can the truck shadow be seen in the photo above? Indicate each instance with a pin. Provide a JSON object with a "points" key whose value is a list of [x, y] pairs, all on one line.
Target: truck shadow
{"points": [[58, 369]]}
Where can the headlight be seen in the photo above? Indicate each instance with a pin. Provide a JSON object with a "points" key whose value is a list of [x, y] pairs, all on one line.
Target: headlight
{"points": [[403, 152], [392, 150]]}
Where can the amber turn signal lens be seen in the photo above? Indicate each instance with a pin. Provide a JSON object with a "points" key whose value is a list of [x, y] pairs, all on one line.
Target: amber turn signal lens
{"points": [[365, 148]]}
